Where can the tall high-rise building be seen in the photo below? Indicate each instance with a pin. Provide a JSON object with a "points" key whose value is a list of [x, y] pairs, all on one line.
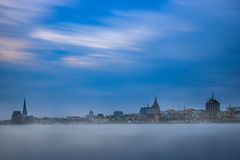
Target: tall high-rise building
{"points": [[24, 112], [212, 105]]}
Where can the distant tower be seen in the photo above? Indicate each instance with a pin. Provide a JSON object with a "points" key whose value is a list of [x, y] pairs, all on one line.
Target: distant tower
{"points": [[212, 105], [155, 107], [91, 113], [24, 112], [155, 104]]}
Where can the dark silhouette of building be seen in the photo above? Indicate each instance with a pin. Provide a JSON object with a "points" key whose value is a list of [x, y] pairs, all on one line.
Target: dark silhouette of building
{"points": [[100, 116], [24, 112], [90, 115], [118, 113], [155, 109], [17, 117], [212, 105], [145, 110]]}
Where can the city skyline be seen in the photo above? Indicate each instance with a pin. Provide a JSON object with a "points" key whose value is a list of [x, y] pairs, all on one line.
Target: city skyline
{"points": [[142, 110], [72, 56], [212, 113]]}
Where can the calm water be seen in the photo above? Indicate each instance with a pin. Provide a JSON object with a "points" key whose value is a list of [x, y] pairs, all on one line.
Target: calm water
{"points": [[130, 142]]}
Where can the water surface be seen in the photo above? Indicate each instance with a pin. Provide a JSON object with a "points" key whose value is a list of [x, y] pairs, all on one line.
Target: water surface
{"points": [[121, 141]]}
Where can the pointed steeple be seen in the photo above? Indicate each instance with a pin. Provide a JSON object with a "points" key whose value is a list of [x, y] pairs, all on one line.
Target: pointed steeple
{"points": [[24, 112], [212, 95], [155, 104]]}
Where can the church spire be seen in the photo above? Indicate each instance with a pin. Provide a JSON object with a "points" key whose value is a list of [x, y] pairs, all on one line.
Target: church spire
{"points": [[212, 95], [24, 112], [155, 104]]}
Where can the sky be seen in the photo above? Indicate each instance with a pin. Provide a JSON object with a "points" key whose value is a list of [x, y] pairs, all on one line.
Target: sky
{"points": [[67, 57]]}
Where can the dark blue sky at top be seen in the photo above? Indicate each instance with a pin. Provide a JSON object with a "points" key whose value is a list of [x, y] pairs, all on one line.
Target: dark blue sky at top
{"points": [[68, 56]]}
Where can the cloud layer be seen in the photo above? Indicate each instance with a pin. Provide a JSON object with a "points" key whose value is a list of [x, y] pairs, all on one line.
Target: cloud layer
{"points": [[15, 12], [123, 32], [17, 19]]}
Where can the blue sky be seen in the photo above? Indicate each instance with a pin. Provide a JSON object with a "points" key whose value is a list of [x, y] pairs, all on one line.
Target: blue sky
{"points": [[69, 56]]}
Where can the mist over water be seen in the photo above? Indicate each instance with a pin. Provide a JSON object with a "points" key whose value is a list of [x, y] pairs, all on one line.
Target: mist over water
{"points": [[121, 141]]}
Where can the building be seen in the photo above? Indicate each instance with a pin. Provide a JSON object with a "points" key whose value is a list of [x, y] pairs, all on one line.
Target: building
{"points": [[118, 114], [212, 105], [155, 109], [145, 110], [132, 117], [90, 115], [233, 113], [233, 109], [24, 112], [17, 117], [100, 116]]}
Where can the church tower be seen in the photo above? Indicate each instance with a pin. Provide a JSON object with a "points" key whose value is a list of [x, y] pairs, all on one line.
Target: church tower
{"points": [[212, 105], [24, 112], [155, 107], [155, 103]]}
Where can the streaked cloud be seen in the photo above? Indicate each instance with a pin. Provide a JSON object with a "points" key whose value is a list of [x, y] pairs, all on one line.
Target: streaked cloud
{"points": [[17, 18], [78, 61], [15, 12], [95, 60], [102, 38], [12, 50], [122, 32], [127, 31]]}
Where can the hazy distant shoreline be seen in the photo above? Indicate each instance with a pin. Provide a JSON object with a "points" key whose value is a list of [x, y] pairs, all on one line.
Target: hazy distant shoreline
{"points": [[167, 122]]}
